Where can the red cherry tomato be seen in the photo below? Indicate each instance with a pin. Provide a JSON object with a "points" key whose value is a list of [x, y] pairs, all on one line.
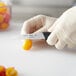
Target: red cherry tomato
{"points": [[6, 17]]}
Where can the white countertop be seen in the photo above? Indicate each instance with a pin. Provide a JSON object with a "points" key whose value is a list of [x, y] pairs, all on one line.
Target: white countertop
{"points": [[41, 60]]}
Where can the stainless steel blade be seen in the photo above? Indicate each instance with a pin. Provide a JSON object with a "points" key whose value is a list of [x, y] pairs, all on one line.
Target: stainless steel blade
{"points": [[32, 36]]}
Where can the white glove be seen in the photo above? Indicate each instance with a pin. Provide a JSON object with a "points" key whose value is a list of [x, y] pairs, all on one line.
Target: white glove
{"points": [[39, 23], [64, 30]]}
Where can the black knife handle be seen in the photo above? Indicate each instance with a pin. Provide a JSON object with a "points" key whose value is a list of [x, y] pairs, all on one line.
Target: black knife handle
{"points": [[46, 34]]}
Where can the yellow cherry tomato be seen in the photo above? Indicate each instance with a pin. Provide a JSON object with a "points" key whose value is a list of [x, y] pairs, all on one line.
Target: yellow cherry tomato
{"points": [[27, 44], [11, 72], [2, 68], [4, 26], [3, 7], [1, 18]]}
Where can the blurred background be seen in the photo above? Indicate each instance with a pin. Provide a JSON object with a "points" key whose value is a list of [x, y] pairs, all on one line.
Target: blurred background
{"points": [[24, 9]]}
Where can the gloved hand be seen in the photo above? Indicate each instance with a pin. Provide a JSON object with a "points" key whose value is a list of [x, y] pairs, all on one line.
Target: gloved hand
{"points": [[39, 23], [64, 30]]}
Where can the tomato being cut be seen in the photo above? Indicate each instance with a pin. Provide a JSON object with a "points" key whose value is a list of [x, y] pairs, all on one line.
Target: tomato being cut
{"points": [[27, 44]]}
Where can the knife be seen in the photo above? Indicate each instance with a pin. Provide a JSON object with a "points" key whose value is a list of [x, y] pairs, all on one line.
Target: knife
{"points": [[36, 36]]}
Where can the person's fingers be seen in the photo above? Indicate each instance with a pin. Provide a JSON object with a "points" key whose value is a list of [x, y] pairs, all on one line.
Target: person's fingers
{"points": [[39, 23], [33, 24], [60, 44], [57, 21], [23, 29], [43, 29], [52, 39], [52, 28], [49, 21], [71, 45]]}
